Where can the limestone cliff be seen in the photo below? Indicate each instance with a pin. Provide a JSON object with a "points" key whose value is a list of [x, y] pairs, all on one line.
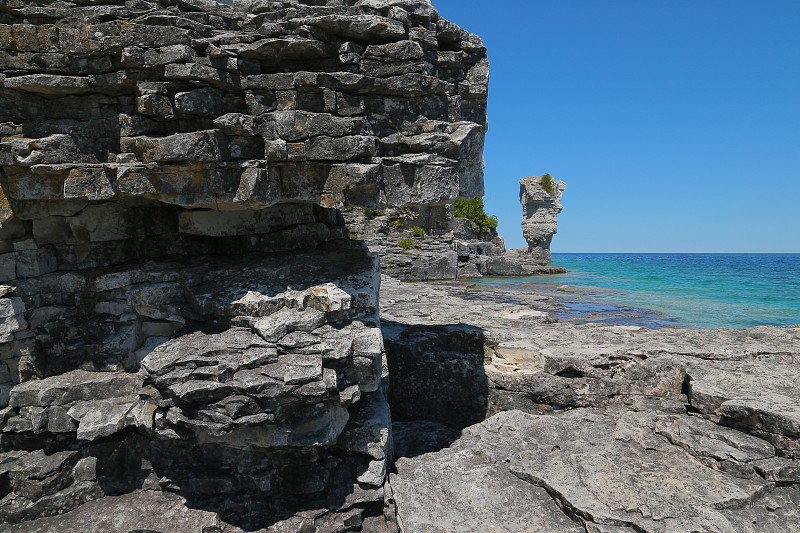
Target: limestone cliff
{"points": [[185, 324]]}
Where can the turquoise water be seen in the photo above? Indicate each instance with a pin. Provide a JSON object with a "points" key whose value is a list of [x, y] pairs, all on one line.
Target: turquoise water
{"points": [[685, 290]]}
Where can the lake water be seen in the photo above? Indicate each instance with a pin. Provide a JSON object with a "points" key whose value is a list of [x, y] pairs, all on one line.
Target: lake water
{"points": [[676, 290]]}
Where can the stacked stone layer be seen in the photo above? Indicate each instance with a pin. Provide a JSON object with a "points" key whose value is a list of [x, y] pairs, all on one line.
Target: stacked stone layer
{"points": [[184, 320], [540, 209], [374, 104]]}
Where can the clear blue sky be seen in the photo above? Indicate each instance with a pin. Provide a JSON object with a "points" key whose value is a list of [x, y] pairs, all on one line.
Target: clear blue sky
{"points": [[675, 123]]}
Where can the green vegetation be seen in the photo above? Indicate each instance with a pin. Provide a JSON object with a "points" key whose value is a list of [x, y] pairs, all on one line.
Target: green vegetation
{"points": [[397, 223], [473, 210], [417, 231], [353, 236], [372, 213], [548, 184], [405, 244]]}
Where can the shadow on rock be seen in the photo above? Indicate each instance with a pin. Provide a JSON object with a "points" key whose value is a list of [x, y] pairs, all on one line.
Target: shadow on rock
{"points": [[438, 385]]}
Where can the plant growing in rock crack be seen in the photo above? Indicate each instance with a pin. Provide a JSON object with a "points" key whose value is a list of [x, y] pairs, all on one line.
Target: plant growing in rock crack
{"points": [[417, 231], [372, 213], [548, 184], [353, 236], [473, 210], [405, 244], [397, 223]]}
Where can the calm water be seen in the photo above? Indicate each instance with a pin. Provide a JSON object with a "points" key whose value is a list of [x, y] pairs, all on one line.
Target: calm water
{"points": [[678, 290]]}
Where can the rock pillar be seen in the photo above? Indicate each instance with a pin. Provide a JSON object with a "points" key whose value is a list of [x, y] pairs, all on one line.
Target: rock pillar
{"points": [[541, 203]]}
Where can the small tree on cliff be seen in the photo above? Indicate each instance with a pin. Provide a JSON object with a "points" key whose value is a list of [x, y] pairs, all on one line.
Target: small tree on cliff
{"points": [[473, 210], [548, 184]]}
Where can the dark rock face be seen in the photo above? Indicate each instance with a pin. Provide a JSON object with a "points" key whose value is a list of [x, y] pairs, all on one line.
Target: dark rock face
{"points": [[267, 401], [184, 320]]}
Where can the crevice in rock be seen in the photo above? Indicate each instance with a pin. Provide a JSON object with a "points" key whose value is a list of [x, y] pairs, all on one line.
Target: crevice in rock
{"points": [[570, 373], [570, 510]]}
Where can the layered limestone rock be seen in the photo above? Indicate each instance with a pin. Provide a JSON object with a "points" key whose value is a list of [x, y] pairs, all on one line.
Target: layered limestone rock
{"points": [[540, 197], [184, 320], [423, 243], [203, 105], [426, 243], [254, 400]]}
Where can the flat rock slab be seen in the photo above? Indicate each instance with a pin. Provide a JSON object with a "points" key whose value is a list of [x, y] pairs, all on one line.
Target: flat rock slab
{"points": [[132, 513], [761, 397], [586, 470], [464, 490]]}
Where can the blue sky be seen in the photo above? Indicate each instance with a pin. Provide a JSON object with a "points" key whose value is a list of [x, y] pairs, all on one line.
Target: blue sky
{"points": [[675, 123]]}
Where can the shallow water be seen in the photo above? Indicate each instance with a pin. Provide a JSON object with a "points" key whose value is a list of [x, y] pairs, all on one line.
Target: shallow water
{"points": [[676, 290]]}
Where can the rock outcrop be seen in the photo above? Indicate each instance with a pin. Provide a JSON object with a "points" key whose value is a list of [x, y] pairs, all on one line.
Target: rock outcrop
{"points": [[424, 243], [185, 321], [540, 197], [190, 338]]}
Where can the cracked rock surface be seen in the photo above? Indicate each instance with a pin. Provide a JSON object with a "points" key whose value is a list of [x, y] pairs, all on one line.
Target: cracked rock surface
{"points": [[614, 429]]}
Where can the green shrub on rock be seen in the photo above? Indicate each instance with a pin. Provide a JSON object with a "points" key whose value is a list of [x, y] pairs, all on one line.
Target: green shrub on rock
{"points": [[473, 210], [405, 244], [372, 213], [548, 184], [417, 231]]}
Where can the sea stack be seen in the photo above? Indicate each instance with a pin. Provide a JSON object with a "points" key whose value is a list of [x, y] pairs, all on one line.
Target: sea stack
{"points": [[540, 197]]}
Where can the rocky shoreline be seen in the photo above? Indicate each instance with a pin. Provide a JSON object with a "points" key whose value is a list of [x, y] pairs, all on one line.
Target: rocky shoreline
{"points": [[585, 427], [197, 200]]}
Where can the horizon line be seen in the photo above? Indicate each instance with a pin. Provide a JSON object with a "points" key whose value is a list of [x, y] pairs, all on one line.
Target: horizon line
{"points": [[681, 253]]}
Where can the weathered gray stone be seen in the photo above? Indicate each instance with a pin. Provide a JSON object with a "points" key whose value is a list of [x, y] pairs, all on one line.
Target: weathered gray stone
{"points": [[78, 385], [760, 397], [122, 514], [650, 466], [102, 418], [199, 146], [575, 457], [541, 203]]}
